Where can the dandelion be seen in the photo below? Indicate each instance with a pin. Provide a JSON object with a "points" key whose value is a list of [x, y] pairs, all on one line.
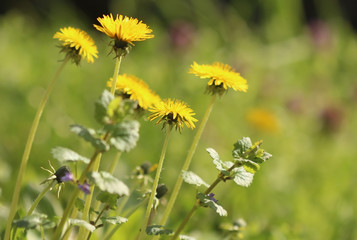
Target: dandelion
{"points": [[124, 31], [77, 44], [262, 120], [173, 112], [135, 89], [221, 76]]}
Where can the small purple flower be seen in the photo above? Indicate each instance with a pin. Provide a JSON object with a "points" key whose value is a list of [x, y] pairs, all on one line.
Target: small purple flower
{"points": [[68, 177], [84, 187], [62, 174], [211, 197]]}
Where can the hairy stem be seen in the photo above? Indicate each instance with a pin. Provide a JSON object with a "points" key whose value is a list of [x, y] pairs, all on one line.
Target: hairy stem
{"points": [[156, 182], [28, 146], [187, 163], [116, 73]]}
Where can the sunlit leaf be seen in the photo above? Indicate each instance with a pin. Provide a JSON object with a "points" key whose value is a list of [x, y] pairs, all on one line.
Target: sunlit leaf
{"points": [[158, 230], [82, 223], [114, 220], [206, 201], [108, 183], [67, 155], [191, 178], [125, 135], [101, 106], [242, 177], [88, 135]]}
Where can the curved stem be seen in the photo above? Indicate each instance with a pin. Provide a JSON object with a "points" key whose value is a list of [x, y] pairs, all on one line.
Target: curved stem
{"points": [[73, 198], [185, 220], [116, 73], [114, 162], [156, 182], [187, 162], [85, 214], [39, 197], [28, 146]]}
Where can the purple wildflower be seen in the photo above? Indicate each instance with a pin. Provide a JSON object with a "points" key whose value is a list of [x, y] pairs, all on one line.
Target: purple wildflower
{"points": [[211, 197], [84, 187], [68, 177]]}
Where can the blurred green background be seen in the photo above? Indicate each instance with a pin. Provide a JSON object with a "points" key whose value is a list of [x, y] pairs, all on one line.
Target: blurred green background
{"points": [[301, 70]]}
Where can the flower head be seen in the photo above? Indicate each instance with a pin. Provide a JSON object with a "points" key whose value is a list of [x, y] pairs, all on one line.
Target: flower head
{"points": [[135, 89], [173, 112], [77, 44], [211, 197], [221, 76], [124, 30], [84, 187], [262, 120]]}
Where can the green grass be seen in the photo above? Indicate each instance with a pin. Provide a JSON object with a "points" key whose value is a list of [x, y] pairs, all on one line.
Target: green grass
{"points": [[306, 191]]}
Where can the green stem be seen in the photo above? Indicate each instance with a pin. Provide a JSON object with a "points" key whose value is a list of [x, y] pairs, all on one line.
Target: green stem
{"points": [[114, 163], [156, 182], [68, 231], [28, 146], [185, 220], [85, 214], [187, 162], [97, 219], [113, 231], [116, 73], [73, 198], [39, 197]]}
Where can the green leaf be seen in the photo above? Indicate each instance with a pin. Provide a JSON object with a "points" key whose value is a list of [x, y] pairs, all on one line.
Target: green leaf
{"points": [[157, 230], [106, 182], [82, 223], [242, 177], [67, 155], [114, 220], [185, 237], [120, 109], [241, 146], [214, 155], [207, 202], [79, 203], [108, 198], [101, 106], [191, 178], [36, 219], [261, 156], [88, 135], [250, 166], [125, 135]]}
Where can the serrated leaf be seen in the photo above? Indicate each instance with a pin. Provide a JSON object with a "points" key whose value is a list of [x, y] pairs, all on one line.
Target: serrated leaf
{"points": [[241, 146], [82, 223], [31, 221], [191, 178], [207, 202], [157, 230], [108, 183], [242, 177], [214, 155], [88, 135], [108, 198], [67, 155], [101, 106], [114, 220], [251, 166], [261, 156], [125, 135]]}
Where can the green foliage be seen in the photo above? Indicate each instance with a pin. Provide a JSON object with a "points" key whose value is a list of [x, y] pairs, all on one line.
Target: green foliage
{"points": [[64, 155], [124, 135], [158, 230], [116, 220], [109, 199], [82, 223], [220, 165], [206, 201], [34, 220], [106, 182], [242, 177], [101, 106], [89, 135], [192, 178], [185, 237], [79, 204]]}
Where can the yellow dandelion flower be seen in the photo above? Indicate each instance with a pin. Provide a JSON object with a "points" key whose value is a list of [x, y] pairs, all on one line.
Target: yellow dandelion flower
{"points": [[124, 30], [77, 44], [173, 112], [262, 120], [221, 76], [135, 89]]}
